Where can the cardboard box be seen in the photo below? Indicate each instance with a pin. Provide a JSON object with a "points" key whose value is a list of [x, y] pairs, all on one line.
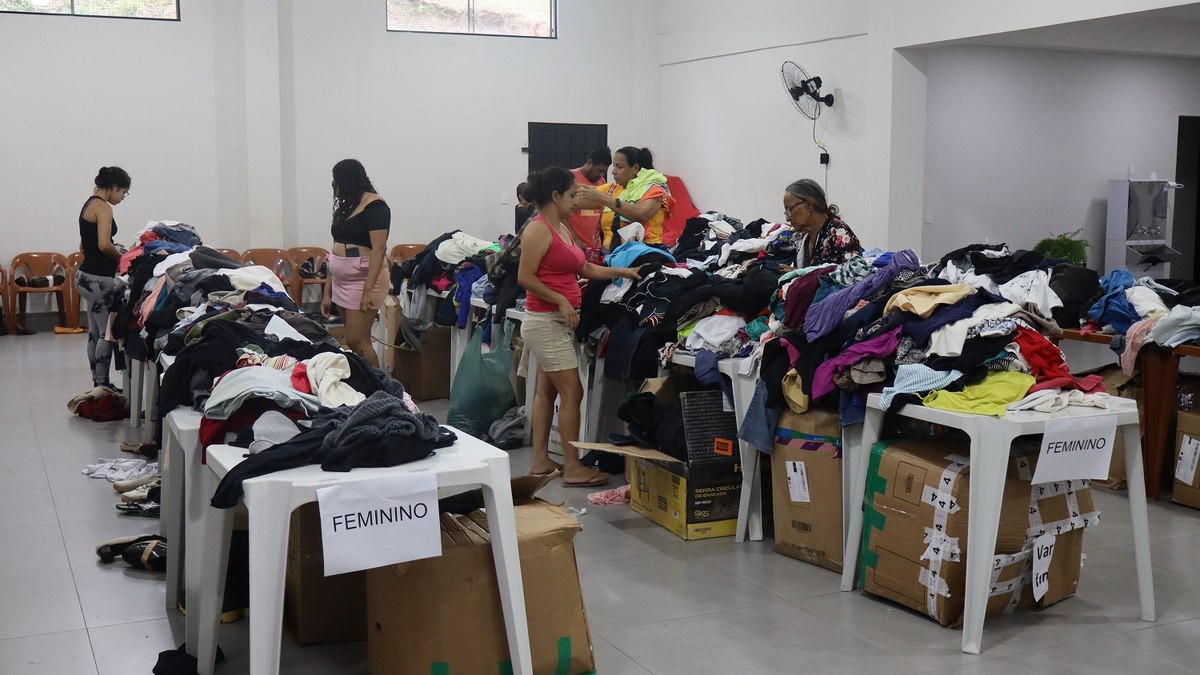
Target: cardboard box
{"points": [[917, 516], [1187, 454], [338, 331], [806, 487], [426, 374], [318, 608], [696, 499], [1117, 383], [443, 614]]}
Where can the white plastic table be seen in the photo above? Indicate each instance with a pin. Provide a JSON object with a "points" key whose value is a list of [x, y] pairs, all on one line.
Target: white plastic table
{"points": [[991, 442], [270, 500], [179, 459]]}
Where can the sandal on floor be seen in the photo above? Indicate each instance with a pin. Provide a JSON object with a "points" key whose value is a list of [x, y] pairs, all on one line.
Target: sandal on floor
{"points": [[557, 469], [145, 509], [601, 479], [109, 550]]}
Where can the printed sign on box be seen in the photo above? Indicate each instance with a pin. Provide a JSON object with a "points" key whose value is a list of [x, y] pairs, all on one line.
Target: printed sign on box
{"points": [[379, 522], [1074, 448]]}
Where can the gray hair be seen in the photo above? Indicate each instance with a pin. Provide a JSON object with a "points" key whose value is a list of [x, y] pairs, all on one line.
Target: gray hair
{"points": [[808, 189]]}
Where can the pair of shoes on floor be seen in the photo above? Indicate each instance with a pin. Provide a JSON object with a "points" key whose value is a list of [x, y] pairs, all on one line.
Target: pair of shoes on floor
{"points": [[143, 551], [139, 447], [148, 492], [127, 485], [146, 509]]}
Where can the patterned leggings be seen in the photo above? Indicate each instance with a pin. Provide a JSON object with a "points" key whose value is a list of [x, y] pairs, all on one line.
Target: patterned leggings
{"points": [[98, 293]]}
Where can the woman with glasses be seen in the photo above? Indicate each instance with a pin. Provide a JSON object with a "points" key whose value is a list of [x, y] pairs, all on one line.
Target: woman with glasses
{"points": [[822, 237]]}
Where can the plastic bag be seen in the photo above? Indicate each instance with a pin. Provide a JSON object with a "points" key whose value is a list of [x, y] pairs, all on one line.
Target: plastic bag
{"points": [[482, 390]]}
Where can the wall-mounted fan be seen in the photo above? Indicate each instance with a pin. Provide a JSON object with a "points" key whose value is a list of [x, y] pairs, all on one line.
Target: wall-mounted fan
{"points": [[804, 90]]}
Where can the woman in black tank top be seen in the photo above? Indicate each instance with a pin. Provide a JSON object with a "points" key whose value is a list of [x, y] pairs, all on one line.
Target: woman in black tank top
{"points": [[96, 277]]}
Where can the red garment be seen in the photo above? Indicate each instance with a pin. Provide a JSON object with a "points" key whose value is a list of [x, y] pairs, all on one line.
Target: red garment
{"points": [[300, 378], [213, 431], [559, 269], [106, 408], [1048, 367], [441, 282], [684, 209]]}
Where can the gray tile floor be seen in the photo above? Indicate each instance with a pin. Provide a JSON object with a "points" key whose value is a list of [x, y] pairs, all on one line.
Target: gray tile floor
{"points": [[656, 604]]}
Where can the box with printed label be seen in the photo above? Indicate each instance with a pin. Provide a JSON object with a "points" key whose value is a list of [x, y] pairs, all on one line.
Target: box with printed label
{"points": [[916, 524], [806, 487], [443, 615], [1187, 455]]}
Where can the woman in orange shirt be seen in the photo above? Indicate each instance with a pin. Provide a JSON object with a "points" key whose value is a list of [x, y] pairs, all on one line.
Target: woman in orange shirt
{"points": [[638, 194]]}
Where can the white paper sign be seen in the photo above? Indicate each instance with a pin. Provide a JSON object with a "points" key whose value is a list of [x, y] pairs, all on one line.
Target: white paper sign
{"points": [[1189, 456], [1076, 448], [1043, 552], [379, 522], [797, 479]]}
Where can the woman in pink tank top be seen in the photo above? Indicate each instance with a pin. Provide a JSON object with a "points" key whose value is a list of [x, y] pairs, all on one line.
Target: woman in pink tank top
{"points": [[551, 265]]}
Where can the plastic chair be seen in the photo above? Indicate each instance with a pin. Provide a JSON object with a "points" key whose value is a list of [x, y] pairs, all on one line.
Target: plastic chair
{"points": [[275, 259], [73, 300], [232, 253], [402, 252], [299, 255], [31, 266], [270, 500]]}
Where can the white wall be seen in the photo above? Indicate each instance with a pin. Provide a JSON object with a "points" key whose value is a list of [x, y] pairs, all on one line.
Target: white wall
{"points": [[439, 120], [80, 93], [1021, 142]]}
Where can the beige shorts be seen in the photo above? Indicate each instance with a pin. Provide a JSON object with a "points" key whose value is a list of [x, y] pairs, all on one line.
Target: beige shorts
{"points": [[547, 336]]}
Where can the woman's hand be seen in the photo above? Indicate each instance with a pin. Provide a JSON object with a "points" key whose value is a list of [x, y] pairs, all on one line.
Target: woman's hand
{"points": [[628, 273], [368, 303], [587, 197], [570, 314], [326, 306]]}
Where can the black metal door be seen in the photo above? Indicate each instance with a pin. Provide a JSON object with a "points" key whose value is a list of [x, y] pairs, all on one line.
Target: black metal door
{"points": [[565, 145]]}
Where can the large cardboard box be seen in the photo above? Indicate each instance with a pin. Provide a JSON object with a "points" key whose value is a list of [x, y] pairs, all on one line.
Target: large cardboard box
{"points": [[1187, 456], [318, 608], [699, 498], [806, 487], [443, 615], [425, 374], [916, 524]]}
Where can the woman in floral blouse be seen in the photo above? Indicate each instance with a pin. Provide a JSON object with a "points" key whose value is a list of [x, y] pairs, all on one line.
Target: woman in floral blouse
{"points": [[824, 239]]}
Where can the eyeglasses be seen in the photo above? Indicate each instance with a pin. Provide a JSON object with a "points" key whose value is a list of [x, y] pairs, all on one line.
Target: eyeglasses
{"points": [[787, 210]]}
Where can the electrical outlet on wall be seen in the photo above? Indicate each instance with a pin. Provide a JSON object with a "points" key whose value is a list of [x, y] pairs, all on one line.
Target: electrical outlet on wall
{"points": [[504, 198]]}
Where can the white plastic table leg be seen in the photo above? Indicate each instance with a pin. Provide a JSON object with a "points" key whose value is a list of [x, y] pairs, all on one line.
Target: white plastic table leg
{"points": [[750, 509], [171, 468], [137, 373], [851, 444], [215, 561], [269, 505], [150, 399], [196, 495], [459, 337], [1140, 520], [854, 479], [497, 498], [989, 458]]}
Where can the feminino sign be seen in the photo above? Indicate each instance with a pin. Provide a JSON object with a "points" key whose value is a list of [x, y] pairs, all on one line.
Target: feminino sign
{"points": [[381, 521], [1073, 448]]}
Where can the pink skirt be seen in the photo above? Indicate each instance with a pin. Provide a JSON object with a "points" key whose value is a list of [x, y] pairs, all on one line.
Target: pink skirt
{"points": [[349, 276]]}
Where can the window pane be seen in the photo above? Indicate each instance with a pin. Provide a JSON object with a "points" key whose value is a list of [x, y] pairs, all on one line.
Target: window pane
{"points": [[515, 17], [38, 6], [134, 9], [436, 16]]}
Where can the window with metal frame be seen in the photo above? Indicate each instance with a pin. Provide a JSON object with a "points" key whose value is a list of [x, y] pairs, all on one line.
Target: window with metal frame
{"points": [[512, 18], [162, 10]]}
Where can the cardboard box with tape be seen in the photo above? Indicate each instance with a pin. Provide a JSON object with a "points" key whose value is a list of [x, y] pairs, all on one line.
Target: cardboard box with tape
{"points": [[806, 486], [1187, 456], [443, 615], [697, 498], [917, 513]]}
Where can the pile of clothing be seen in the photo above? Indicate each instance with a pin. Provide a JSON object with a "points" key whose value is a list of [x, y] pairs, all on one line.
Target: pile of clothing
{"points": [[454, 262]]}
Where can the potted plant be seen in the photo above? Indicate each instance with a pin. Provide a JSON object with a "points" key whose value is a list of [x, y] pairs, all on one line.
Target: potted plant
{"points": [[1066, 245]]}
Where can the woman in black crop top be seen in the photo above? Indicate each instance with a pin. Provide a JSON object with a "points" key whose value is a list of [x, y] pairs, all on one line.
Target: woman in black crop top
{"points": [[358, 281], [96, 278]]}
